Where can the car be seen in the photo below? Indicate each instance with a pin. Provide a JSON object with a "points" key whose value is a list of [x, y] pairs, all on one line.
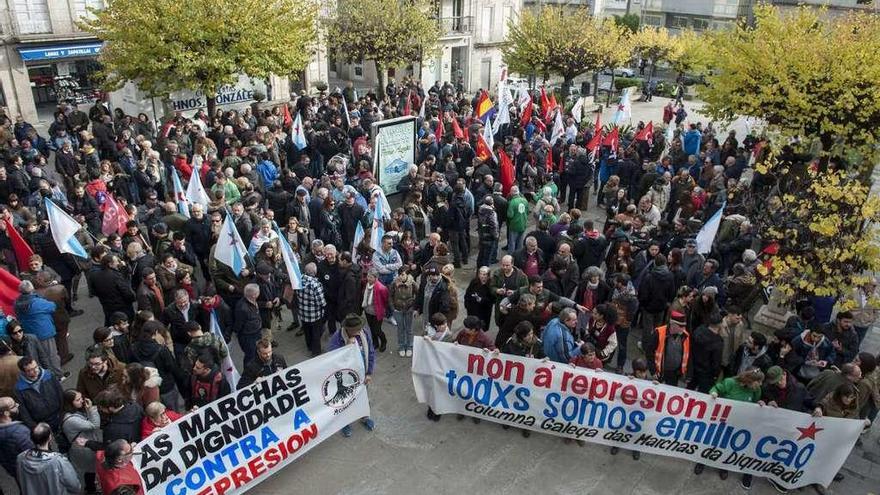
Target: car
{"points": [[620, 72]]}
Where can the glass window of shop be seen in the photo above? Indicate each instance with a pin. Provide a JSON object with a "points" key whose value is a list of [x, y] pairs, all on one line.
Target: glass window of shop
{"points": [[71, 81]]}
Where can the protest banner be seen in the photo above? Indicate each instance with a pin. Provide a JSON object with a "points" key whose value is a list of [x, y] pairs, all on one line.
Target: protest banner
{"points": [[792, 448], [234, 443]]}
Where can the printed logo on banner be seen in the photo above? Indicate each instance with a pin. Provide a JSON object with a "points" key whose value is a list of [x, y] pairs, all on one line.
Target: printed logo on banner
{"points": [[339, 389]]}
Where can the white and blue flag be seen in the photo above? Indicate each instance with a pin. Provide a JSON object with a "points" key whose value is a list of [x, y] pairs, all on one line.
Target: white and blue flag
{"points": [[299, 135], [195, 191], [179, 195], [290, 262], [230, 249], [706, 235], [64, 228], [378, 229], [227, 366]]}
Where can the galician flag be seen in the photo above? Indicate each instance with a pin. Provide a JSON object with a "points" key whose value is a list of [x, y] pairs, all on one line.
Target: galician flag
{"points": [[195, 191], [706, 235], [230, 249], [624, 108], [298, 135], [378, 229], [558, 129], [358, 236], [63, 228], [290, 261], [227, 366], [179, 194]]}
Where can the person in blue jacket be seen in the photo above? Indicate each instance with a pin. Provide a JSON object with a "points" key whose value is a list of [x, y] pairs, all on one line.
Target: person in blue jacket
{"points": [[36, 317], [559, 343], [692, 140]]}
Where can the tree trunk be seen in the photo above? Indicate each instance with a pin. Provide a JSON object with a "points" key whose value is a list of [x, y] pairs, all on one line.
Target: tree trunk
{"points": [[566, 88], [653, 69], [212, 104], [383, 80], [595, 85], [610, 90]]}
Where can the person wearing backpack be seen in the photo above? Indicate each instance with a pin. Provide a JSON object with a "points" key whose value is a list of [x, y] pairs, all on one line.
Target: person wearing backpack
{"points": [[207, 383]]}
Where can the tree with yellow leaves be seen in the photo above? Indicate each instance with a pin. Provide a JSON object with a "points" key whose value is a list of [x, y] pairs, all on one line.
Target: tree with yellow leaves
{"points": [[810, 79], [391, 33], [169, 45], [563, 41], [823, 228], [654, 44], [690, 52]]}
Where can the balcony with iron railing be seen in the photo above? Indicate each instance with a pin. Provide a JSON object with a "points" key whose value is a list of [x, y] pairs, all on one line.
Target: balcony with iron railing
{"points": [[456, 25]]}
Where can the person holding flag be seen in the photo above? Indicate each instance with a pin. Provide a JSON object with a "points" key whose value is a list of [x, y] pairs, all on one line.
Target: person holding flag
{"points": [[228, 263]]}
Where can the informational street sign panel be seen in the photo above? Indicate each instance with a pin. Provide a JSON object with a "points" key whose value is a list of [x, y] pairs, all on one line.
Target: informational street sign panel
{"points": [[394, 150]]}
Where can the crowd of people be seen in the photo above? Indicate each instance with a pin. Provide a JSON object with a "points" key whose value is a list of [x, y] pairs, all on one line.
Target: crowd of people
{"points": [[600, 261]]}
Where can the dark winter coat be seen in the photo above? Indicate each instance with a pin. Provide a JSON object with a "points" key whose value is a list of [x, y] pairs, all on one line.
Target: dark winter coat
{"points": [[40, 402]]}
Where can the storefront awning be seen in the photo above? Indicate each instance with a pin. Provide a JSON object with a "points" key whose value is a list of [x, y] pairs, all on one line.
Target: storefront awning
{"points": [[60, 52]]}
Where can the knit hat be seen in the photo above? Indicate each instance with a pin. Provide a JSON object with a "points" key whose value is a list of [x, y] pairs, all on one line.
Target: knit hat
{"points": [[353, 322], [774, 375], [749, 256], [710, 291], [678, 318]]}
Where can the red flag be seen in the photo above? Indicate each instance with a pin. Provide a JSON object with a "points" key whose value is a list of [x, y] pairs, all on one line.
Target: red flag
{"points": [[288, 120], [596, 141], [8, 291], [527, 114], [553, 103], [115, 217], [467, 134], [456, 129], [439, 133], [483, 151], [545, 103], [548, 162], [407, 105], [20, 247], [646, 134], [612, 139], [506, 173], [541, 126]]}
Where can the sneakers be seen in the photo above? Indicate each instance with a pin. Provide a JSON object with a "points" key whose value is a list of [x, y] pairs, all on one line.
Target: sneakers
{"points": [[698, 468], [65, 376], [346, 431], [779, 488], [401, 353], [368, 423], [409, 353], [746, 482]]}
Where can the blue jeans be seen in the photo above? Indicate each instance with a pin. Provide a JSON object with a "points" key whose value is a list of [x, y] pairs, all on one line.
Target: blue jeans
{"points": [[404, 329], [514, 240]]}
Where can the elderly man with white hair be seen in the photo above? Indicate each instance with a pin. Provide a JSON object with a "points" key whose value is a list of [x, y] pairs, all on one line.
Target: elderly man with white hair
{"points": [[311, 308], [248, 324], [36, 316]]}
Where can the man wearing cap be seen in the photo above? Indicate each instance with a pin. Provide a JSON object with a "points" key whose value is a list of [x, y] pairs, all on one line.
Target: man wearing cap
{"points": [[781, 389], [707, 355], [354, 331], [670, 347]]}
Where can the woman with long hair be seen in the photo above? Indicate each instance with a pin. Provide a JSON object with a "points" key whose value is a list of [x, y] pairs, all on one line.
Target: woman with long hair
{"points": [[140, 383], [478, 297], [81, 421]]}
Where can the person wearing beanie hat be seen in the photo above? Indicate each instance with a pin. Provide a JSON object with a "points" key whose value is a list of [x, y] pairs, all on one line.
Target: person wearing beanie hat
{"points": [[669, 346], [707, 355], [355, 331]]}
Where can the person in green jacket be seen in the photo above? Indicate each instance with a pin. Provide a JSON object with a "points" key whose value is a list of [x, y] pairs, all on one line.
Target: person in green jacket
{"points": [[517, 218], [745, 387]]}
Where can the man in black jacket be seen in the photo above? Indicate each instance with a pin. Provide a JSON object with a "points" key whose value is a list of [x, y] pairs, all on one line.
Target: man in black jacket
{"points": [[38, 394], [433, 296], [579, 172], [198, 232], [656, 292], [266, 364], [706, 353], [248, 324], [150, 353], [113, 289], [176, 316]]}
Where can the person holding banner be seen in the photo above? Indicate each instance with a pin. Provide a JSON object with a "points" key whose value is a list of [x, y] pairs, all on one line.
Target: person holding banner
{"points": [[267, 363], [354, 331], [115, 470], [207, 382], [745, 387]]}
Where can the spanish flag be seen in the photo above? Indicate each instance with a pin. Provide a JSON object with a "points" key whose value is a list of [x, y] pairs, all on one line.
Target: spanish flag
{"points": [[485, 108]]}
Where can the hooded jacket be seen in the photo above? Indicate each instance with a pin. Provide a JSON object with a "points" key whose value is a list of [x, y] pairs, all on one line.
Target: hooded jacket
{"points": [[152, 354], [487, 223], [15, 438], [40, 401], [36, 315], [43, 472], [125, 424], [657, 290]]}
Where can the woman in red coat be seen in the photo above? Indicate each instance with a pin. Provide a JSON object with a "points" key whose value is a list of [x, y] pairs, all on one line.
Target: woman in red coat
{"points": [[115, 470], [157, 417], [374, 304]]}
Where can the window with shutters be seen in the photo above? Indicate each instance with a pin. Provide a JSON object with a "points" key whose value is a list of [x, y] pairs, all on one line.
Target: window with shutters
{"points": [[32, 16]]}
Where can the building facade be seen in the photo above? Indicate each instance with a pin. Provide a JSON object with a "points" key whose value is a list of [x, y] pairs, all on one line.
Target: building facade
{"points": [[698, 15]]}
